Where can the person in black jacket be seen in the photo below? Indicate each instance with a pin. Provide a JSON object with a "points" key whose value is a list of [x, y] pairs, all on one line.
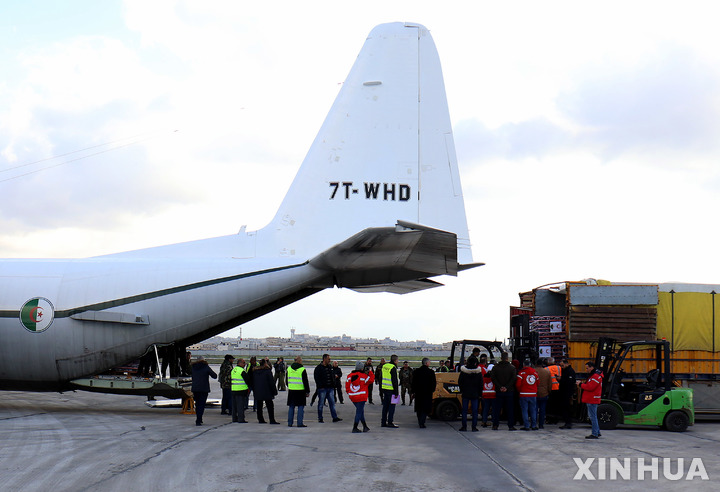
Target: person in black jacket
{"points": [[504, 377], [422, 389], [567, 392], [337, 373], [264, 390], [280, 369], [471, 384], [369, 369], [378, 377], [250, 368], [325, 384], [201, 374]]}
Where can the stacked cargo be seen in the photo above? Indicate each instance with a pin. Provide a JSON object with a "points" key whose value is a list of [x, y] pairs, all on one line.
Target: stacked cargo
{"points": [[551, 335], [568, 318]]}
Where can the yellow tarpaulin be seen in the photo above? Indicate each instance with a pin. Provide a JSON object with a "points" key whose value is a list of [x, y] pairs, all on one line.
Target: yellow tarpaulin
{"points": [[685, 319]]}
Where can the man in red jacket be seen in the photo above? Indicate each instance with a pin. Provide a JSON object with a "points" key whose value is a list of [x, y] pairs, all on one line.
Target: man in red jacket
{"points": [[527, 388], [592, 390]]}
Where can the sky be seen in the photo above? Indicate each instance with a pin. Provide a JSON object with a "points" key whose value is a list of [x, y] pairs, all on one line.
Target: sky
{"points": [[586, 136]]}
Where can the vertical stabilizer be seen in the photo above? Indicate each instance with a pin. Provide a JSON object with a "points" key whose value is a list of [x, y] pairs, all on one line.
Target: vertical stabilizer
{"points": [[384, 153]]}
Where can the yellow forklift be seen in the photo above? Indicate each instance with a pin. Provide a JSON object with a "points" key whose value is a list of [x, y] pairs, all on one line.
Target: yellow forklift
{"points": [[447, 399]]}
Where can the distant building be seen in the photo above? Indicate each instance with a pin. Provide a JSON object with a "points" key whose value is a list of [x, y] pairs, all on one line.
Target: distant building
{"points": [[368, 347]]}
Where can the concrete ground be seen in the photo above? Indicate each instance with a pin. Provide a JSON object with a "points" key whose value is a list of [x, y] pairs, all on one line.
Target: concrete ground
{"points": [[86, 441]]}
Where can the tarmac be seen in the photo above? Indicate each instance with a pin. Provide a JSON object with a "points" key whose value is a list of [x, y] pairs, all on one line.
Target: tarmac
{"points": [[88, 441]]}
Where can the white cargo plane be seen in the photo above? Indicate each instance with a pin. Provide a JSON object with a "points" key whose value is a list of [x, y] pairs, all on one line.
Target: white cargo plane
{"points": [[376, 206]]}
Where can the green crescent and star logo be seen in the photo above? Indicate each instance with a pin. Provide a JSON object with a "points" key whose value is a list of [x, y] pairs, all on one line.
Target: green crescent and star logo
{"points": [[37, 314]]}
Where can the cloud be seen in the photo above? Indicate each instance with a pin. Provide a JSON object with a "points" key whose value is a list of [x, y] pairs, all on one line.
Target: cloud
{"points": [[668, 102], [664, 111], [533, 138]]}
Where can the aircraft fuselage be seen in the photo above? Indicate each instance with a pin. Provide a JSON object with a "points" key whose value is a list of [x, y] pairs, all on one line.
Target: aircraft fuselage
{"points": [[97, 313]]}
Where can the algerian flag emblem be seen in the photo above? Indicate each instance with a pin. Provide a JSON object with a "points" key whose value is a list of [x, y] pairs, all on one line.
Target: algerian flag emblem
{"points": [[37, 314]]}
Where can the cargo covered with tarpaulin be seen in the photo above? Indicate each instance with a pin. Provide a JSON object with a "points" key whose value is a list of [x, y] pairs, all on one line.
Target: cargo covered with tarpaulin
{"points": [[688, 316]]}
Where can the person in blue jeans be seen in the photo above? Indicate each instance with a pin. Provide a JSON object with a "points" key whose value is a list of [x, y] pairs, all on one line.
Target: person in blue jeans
{"points": [[527, 391], [544, 387], [357, 388], [389, 388], [591, 396], [471, 383], [298, 386], [325, 384]]}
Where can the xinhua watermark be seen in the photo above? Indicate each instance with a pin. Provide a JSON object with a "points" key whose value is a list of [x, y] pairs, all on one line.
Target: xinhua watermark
{"points": [[640, 469]]}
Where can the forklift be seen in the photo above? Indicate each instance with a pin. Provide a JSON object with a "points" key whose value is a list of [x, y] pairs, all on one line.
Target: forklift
{"points": [[447, 399], [641, 398]]}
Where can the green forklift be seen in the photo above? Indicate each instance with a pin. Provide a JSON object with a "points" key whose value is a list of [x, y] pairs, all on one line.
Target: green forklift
{"points": [[646, 398]]}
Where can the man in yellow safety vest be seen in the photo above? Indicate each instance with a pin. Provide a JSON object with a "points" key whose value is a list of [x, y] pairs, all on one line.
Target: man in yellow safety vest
{"points": [[239, 389], [389, 388], [298, 390]]}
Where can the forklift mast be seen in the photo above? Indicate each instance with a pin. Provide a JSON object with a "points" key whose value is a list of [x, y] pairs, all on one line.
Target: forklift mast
{"points": [[605, 354], [612, 364], [525, 346]]}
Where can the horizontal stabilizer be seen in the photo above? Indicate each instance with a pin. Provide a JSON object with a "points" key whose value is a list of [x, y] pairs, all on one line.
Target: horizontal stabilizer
{"points": [[389, 255], [400, 287]]}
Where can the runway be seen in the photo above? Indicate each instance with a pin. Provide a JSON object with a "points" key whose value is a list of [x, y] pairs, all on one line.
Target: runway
{"points": [[86, 441]]}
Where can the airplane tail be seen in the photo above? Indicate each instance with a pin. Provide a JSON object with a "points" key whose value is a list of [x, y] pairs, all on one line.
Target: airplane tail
{"points": [[384, 155]]}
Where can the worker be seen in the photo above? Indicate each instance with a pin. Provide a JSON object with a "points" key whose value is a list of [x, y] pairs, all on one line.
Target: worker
{"points": [[239, 389], [264, 390], [250, 368], [389, 392], [201, 374], [527, 391], [475, 354], [567, 392], [185, 364], [298, 391], [224, 379], [280, 370], [369, 369], [356, 385], [406, 373], [441, 367], [592, 392], [423, 387], [544, 385], [503, 378], [378, 377], [470, 382], [325, 384], [337, 381], [553, 404], [488, 393]]}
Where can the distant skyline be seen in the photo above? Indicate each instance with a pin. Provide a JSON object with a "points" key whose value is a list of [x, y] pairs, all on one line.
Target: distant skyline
{"points": [[310, 335], [586, 138]]}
